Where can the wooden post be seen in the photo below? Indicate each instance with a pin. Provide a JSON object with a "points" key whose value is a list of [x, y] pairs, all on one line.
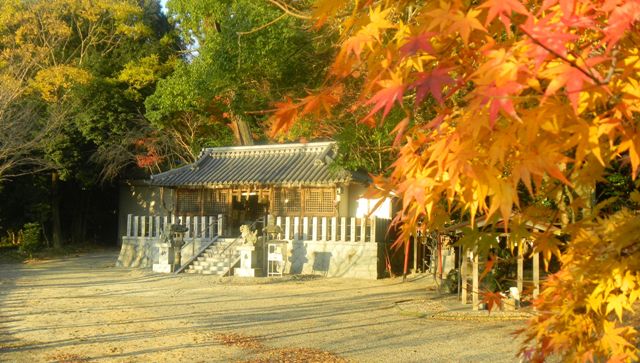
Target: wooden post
{"points": [[296, 228], [363, 229], [196, 227], [151, 233], [373, 227], [353, 229], [166, 222], [203, 227], [220, 224], [314, 225], [463, 277], [334, 228], [211, 227], [129, 222], [305, 228], [287, 228], [475, 301], [279, 222], [135, 225], [143, 226], [189, 231], [343, 229], [520, 280], [536, 274], [324, 229]]}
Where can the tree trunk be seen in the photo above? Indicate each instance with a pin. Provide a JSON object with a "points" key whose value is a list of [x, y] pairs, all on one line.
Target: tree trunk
{"points": [[241, 131], [56, 228]]}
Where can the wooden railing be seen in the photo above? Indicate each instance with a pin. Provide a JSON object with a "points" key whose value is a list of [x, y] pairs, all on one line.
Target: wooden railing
{"points": [[343, 229], [152, 226]]}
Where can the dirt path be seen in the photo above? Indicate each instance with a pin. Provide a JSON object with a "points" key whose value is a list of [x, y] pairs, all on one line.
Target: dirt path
{"points": [[84, 309]]}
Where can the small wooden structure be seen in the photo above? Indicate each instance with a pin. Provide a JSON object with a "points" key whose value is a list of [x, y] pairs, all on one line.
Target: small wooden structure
{"points": [[471, 261]]}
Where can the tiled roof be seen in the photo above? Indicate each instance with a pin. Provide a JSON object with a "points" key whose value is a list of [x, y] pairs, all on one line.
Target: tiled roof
{"points": [[282, 164]]}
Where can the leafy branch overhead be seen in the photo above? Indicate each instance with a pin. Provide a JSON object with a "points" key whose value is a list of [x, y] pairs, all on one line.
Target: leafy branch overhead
{"points": [[536, 96]]}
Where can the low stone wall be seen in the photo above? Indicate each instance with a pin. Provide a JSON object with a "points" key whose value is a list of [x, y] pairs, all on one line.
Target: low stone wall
{"points": [[334, 259], [142, 252]]}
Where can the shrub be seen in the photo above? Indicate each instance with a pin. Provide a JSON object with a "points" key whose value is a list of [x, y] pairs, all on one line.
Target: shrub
{"points": [[31, 238]]}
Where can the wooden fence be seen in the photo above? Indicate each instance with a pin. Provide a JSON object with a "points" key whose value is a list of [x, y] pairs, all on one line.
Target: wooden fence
{"points": [[152, 226]]}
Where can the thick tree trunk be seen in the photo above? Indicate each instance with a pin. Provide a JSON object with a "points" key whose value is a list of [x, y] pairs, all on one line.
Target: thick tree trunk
{"points": [[56, 228], [241, 131]]}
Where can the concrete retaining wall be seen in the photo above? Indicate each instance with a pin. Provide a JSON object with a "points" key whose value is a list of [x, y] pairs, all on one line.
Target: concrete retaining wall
{"points": [[333, 259]]}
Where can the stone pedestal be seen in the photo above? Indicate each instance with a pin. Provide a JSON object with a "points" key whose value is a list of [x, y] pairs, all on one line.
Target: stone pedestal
{"points": [[246, 258], [166, 256]]}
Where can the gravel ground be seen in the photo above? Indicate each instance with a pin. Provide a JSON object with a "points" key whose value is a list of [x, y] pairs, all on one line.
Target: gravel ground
{"points": [[82, 309]]}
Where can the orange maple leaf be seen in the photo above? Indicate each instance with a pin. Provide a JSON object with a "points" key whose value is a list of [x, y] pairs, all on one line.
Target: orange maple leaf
{"points": [[571, 78], [492, 299], [286, 113]]}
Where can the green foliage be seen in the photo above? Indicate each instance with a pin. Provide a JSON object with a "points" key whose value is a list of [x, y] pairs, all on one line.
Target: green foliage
{"points": [[31, 238], [237, 67]]}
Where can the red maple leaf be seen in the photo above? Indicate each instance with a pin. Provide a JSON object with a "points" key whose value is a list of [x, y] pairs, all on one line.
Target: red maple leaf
{"points": [[620, 20], [547, 36], [391, 92], [503, 10], [417, 43], [500, 98], [431, 82]]}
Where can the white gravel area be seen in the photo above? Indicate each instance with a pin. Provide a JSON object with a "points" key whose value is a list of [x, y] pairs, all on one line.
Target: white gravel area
{"points": [[83, 309]]}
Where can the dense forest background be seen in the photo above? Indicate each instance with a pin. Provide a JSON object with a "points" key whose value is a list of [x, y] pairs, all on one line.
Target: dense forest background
{"points": [[95, 93]]}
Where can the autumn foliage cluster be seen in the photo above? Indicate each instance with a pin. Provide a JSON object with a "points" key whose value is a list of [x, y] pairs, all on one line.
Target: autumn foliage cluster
{"points": [[534, 103]]}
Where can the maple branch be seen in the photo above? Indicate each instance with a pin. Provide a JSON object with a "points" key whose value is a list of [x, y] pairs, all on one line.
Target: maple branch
{"points": [[565, 59], [286, 9], [255, 30]]}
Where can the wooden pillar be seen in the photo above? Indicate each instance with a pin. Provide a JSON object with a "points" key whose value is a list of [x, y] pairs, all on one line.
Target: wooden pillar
{"points": [[196, 227], [220, 224], [343, 229], [135, 226], [353, 229], [212, 229], [143, 226], [305, 228], [520, 280], [374, 226], [129, 224], [287, 228], [324, 228], [190, 231], [314, 232], [334, 228], [476, 283], [296, 228], [463, 277], [536, 274], [415, 254], [158, 225]]}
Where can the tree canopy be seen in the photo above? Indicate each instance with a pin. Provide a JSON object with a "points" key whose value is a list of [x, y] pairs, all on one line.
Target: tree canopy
{"points": [[537, 96]]}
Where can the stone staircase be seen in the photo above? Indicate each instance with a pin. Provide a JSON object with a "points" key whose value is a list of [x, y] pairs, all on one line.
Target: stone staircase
{"points": [[216, 259]]}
